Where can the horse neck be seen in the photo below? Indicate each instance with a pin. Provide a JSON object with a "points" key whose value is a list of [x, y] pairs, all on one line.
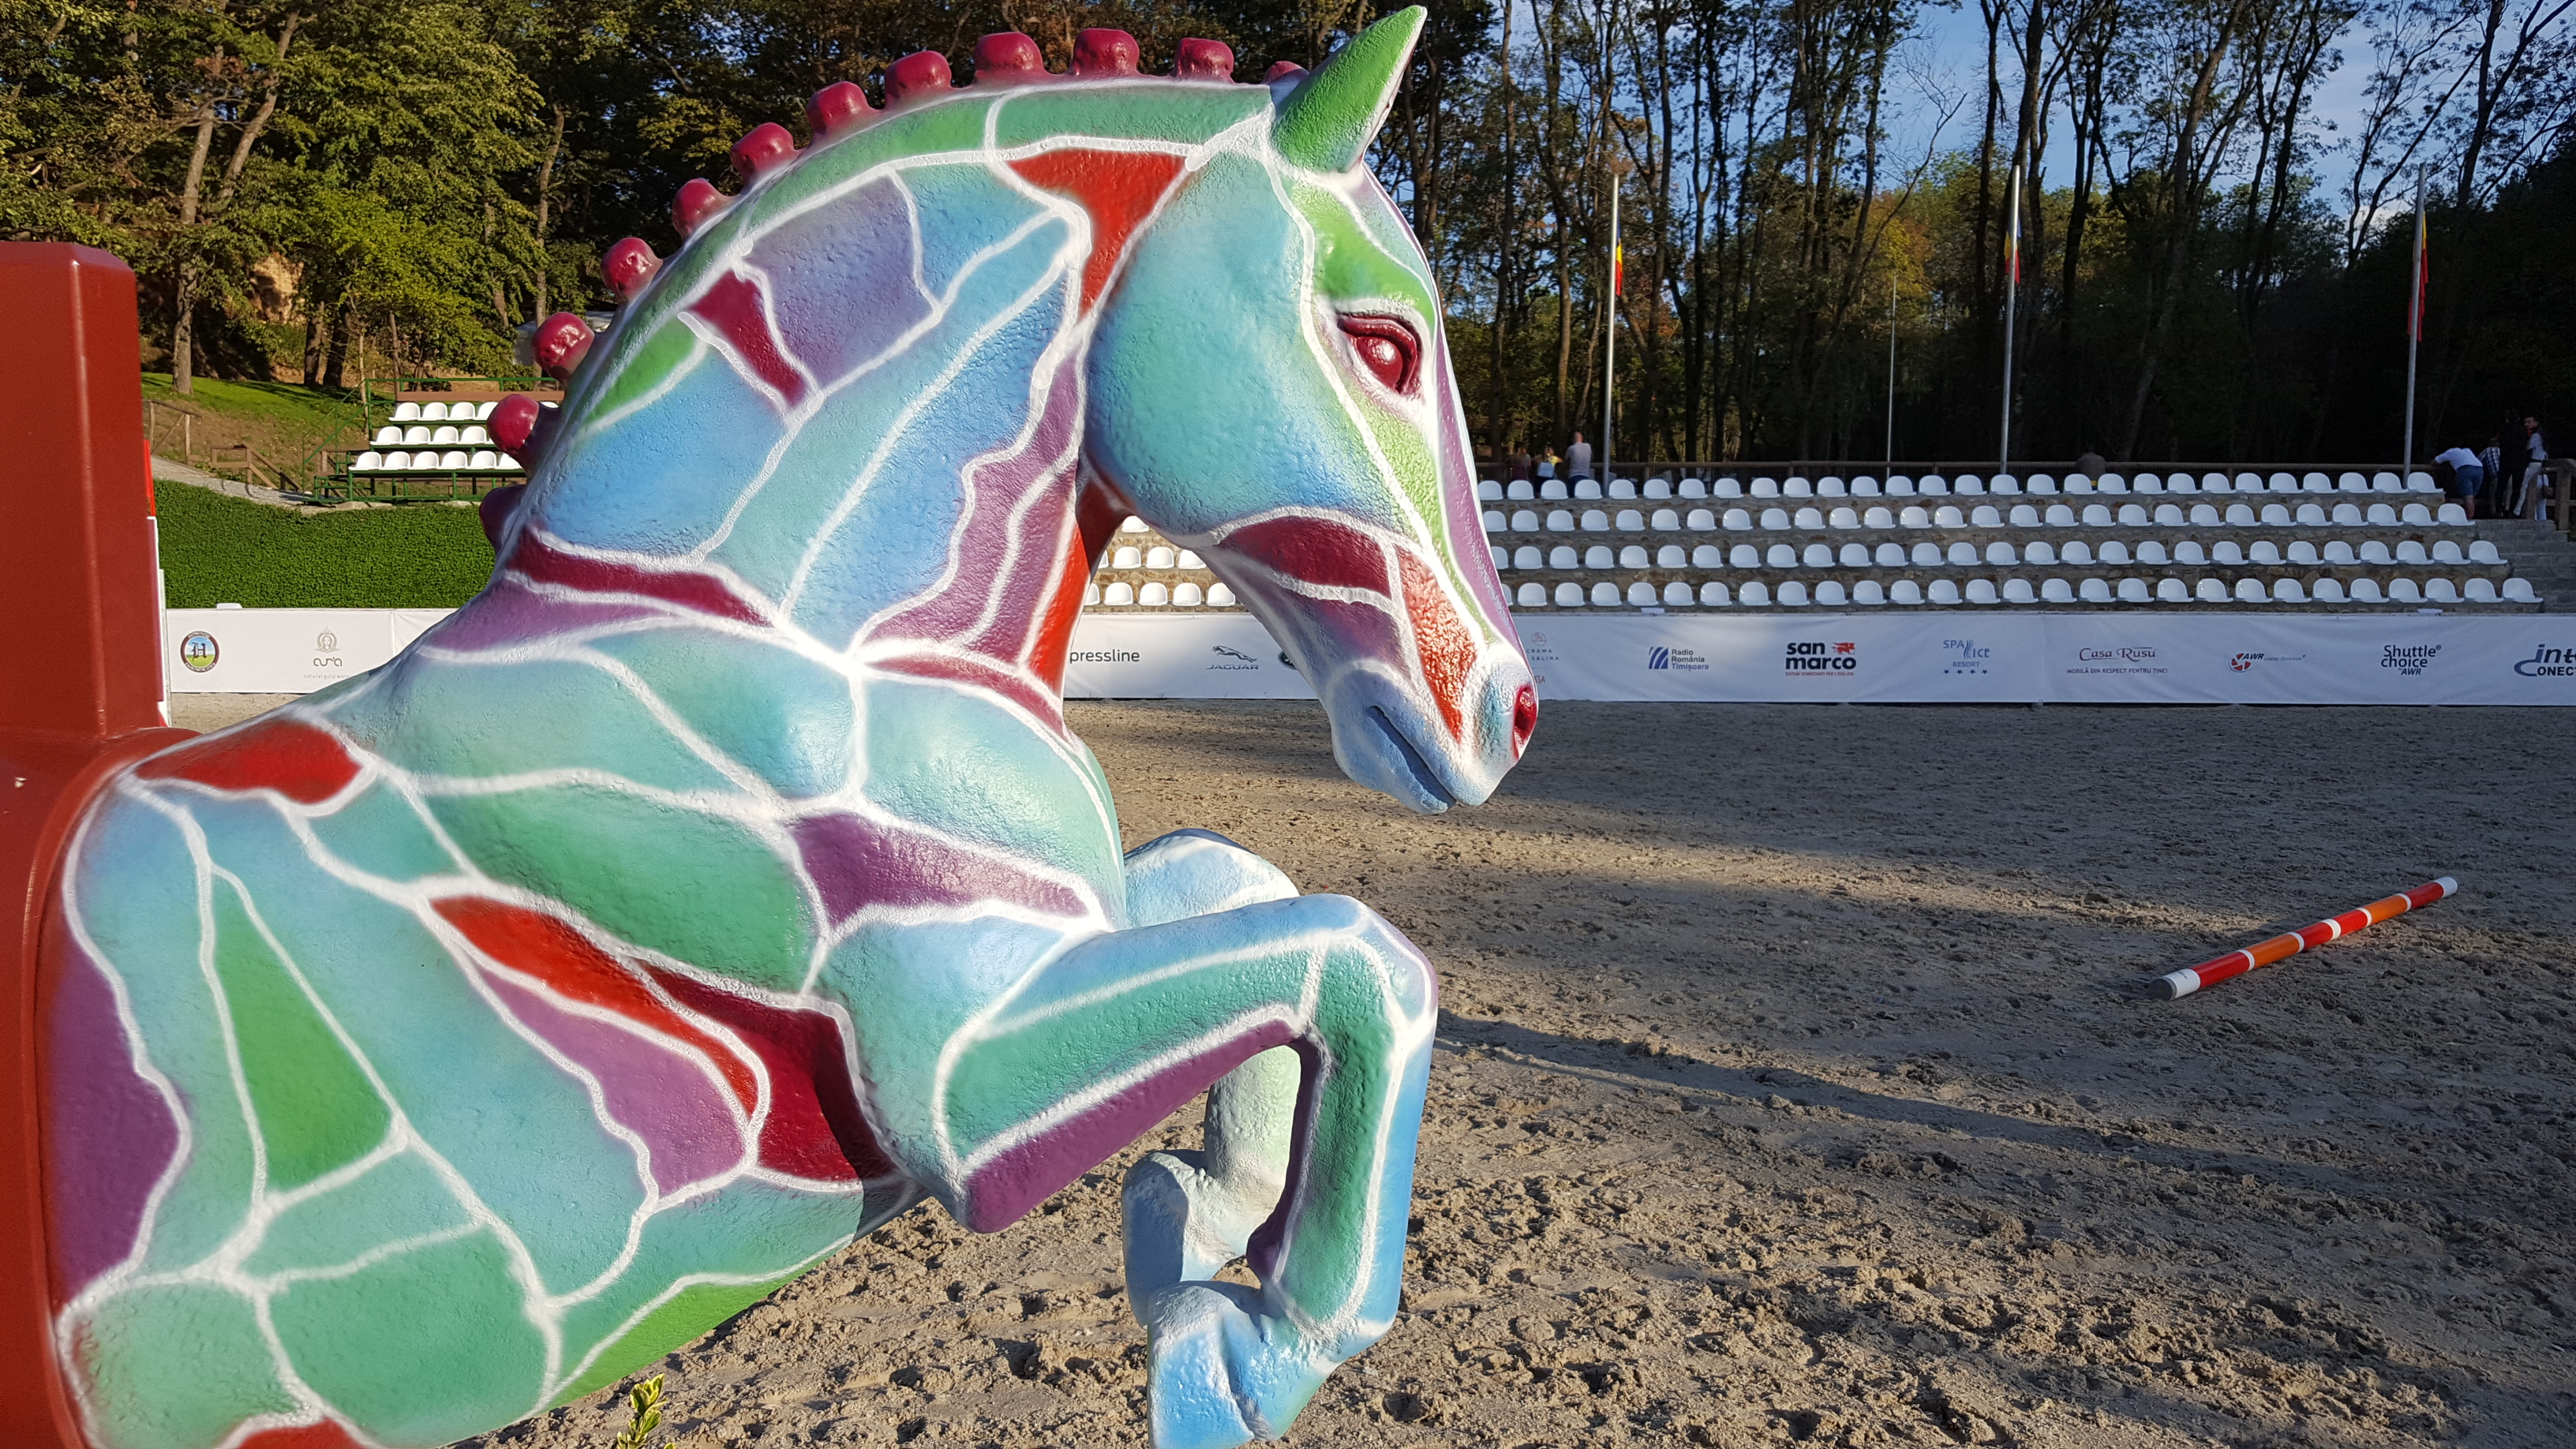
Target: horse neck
{"points": [[841, 425]]}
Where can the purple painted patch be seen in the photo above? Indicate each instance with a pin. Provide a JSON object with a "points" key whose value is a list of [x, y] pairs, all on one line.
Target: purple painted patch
{"points": [[840, 280], [858, 863], [108, 1135], [659, 1093], [509, 614], [1004, 1189]]}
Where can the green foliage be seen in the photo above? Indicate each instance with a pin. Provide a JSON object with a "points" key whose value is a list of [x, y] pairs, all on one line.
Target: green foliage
{"points": [[216, 549], [644, 1405]]}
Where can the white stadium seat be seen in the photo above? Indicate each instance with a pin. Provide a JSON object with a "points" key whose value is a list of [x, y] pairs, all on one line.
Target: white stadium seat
{"points": [[1563, 556], [1949, 516], [1726, 488], [1533, 596], [1808, 518], [2404, 591], [1818, 556], [2447, 551], [1489, 491], [1753, 595], [1552, 490], [1981, 591], [1870, 593], [1529, 556], [415, 434], [1775, 518], [1677, 595], [1623, 488], [1595, 521], [2478, 591], [406, 412], [1986, 515], [1963, 553], [1831, 594], [1659, 487], [388, 434], [2025, 516], [2351, 483], [2210, 591], [2056, 591], [396, 462], [2519, 591], [2420, 482], [1569, 595], [1890, 555], [1127, 556], [1605, 594], [2042, 552], [1736, 519], [1707, 556], [2386, 483], [1154, 595], [2411, 551], [368, 462], [1641, 594], [1943, 591], [1713, 594], [444, 434], [1854, 556], [1845, 517], [2287, 591], [1560, 520], [2132, 591], [2451, 513], [484, 460], [1694, 488], [2440, 590], [2484, 552], [1793, 594], [1797, 488], [2365, 591], [1672, 556], [1598, 556], [2001, 553], [1700, 520], [2172, 591], [1905, 592], [1521, 491], [1782, 556], [1766, 488], [1496, 521], [1632, 556], [1160, 557], [1119, 594], [1744, 556], [2017, 590], [1665, 520], [2327, 591]]}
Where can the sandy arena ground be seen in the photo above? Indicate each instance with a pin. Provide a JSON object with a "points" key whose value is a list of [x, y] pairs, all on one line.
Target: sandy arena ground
{"points": [[1798, 1083]]}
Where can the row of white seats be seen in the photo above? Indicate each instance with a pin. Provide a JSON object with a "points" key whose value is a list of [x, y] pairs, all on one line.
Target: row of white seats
{"points": [[1158, 595], [1128, 556], [1831, 593], [439, 412], [455, 460], [2189, 552], [1936, 486], [1984, 515], [445, 435]]}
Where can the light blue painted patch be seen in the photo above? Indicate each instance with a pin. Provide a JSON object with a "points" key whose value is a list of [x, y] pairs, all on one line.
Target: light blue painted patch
{"points": [[660, 479], [377, 831], [787, 718], [965, 766], [505, 718], [966, 210], [398, 1199]]}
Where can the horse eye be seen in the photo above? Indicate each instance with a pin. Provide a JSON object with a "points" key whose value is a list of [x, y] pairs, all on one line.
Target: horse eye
{"points": [[1385, 347]]}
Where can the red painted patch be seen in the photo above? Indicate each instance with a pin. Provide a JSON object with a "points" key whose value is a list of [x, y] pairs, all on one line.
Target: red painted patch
{"points": [[326, 1435], [733, 306], [535, 559], [1055, 628], [298, 761], [980, 674], [1446, 650], [815, 1128], [550, 950], [1119, 188], [1314, 551]]}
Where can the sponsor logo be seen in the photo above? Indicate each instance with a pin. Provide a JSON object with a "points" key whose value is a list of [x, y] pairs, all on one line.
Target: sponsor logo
{"points": [[1689, 661], [1967, 656], [1105, 656], [1236, 659], [1815, 656], [2116, 659], [2242, 662], [2548, 662], [199, 651], [326, 642], [2410, 660]]}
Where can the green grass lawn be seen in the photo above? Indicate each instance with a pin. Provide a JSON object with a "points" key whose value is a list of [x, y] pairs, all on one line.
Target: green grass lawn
{"points": [[305, 409], [219, 550]]}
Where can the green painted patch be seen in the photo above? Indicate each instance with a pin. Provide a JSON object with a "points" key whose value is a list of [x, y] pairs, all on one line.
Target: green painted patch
{"points": [[176, 1367], [690, 885], [687, 1314], [1187, 115], [316, 1108], [671, 350], [424, 1347]]}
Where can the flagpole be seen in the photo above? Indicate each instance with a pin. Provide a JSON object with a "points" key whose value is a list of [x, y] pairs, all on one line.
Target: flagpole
{"points": [[2414, 328], [1610, 332], [2012, 294], [1891, 372]]}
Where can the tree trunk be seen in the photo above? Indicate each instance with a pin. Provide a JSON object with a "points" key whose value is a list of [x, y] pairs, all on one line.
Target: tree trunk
{"points": [[545, 218], [1497, 426]]}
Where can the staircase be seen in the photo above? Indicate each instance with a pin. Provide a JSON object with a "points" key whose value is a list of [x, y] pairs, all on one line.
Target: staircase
{"points": [[2542, 555]]}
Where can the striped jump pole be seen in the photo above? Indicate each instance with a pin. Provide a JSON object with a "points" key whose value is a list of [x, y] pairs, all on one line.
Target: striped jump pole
{"points": [[2236, 963]]}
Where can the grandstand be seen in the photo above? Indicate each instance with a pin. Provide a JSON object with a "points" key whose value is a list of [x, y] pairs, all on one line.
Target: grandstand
{"points": [[2278, 541], [435, 437]]}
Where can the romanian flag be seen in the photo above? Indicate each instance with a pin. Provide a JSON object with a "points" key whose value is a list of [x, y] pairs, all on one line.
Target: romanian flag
{"points": [[2012, 233], [1618, 267]]}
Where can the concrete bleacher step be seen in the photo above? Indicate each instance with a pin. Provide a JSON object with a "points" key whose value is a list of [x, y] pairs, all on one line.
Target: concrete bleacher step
{"points": [[2541, 554]]}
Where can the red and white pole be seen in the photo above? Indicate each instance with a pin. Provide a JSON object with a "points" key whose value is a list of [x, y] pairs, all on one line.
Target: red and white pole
{"points": [[2237, 963]]}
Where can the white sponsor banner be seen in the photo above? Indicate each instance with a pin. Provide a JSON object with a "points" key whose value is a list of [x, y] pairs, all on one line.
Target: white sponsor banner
{"points": [[1948, 657], [272, 651], [1177, 656]]}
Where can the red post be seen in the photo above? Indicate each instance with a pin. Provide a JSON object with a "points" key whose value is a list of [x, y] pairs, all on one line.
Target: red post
{"points": [[80, 693]]}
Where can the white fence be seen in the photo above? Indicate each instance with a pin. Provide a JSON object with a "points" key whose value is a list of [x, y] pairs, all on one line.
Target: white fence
{"points": [[1952, 657]]}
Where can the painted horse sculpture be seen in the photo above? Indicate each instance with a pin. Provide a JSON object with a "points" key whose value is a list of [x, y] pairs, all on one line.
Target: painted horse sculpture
{"points": [[724, 879]]}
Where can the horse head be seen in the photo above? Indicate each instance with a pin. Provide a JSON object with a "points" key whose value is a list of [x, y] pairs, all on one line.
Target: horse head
{"points": [[1269, 385]]}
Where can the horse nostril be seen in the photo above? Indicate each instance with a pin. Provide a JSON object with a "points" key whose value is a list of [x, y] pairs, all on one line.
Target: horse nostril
{"points": [[1524, 718]]}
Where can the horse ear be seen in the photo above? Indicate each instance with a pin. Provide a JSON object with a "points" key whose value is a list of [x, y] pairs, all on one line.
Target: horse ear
{"points": [[1327, 122]]}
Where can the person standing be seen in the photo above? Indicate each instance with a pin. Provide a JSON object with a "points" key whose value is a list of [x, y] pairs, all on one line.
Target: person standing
{"points": [[2537, 454], [1520, 463], [2467, 476], [1547, 462], [2491, 458], [1578, 458]]}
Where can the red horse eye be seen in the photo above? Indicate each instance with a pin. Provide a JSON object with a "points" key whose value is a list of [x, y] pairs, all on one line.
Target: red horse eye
{"points": [[1385, 347]]}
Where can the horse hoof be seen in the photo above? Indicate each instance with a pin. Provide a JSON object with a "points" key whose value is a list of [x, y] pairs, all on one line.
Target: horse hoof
{"points": [[1182, 1224], [1221, 1372]]}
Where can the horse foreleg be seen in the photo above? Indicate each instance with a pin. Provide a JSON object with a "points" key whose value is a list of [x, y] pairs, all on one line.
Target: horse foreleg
{"points": [[1102, 1042], [1188, 1214]]}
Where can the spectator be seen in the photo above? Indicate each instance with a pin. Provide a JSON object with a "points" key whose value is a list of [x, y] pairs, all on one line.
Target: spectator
{"points": [[1547, 462], [2091, 466], [2538, 455], [2467, 476], [1521, 464], [2491, 458], [1578, 459]]}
